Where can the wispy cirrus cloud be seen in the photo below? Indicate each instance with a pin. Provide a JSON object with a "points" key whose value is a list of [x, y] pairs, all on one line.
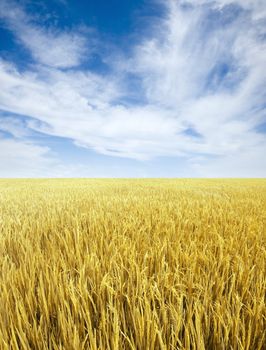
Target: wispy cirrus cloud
{"points": [[50, 46], [199, 83]]}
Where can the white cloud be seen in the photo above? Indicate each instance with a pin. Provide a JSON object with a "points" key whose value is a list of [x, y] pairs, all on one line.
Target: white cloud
{"points": [[183, 87], [61, 50], [245, 164], [12, 125], [48, 46], [24, 159]]}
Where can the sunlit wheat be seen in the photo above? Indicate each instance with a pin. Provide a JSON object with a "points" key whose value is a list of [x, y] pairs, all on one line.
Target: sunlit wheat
{"points": [[132, 264]]}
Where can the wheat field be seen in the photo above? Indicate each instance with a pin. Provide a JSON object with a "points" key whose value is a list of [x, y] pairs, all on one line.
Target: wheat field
{"points": [[132, 264]]}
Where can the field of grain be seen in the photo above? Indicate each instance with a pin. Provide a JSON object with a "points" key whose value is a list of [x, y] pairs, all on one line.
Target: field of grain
{"points": [[132, 264]]}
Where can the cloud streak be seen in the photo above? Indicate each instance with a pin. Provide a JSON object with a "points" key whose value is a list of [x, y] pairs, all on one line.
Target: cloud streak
{"points": [[48, 46]]}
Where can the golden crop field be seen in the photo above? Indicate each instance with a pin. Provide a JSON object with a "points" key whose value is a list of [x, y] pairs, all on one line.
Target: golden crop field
{"points": [[132, 264]]}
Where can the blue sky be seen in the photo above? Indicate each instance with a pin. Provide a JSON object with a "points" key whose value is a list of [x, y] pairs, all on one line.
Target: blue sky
{"points": [[143, 88]]}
